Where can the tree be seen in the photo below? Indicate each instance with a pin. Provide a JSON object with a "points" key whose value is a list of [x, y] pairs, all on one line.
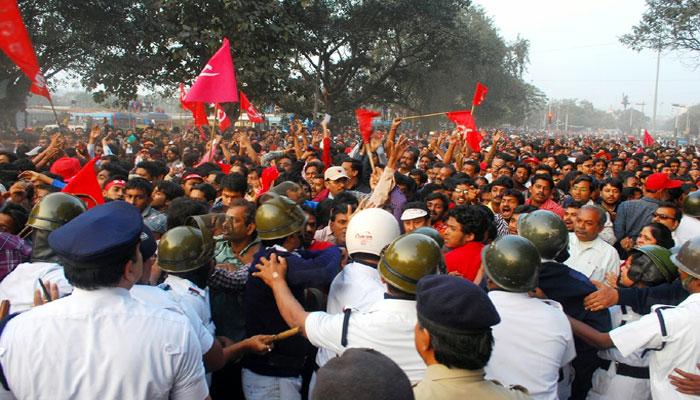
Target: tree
{"points": [[667, 24]]}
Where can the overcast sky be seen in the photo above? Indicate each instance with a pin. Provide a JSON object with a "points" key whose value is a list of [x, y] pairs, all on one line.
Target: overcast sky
{"points": [[575, 53]]}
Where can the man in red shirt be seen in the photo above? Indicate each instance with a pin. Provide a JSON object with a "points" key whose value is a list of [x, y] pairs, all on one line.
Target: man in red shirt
{"points": [[466, 226], [541, 194]]}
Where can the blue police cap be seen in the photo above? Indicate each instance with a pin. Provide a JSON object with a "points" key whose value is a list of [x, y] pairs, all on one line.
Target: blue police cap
{"points": [[101, 233], [454, 305]]}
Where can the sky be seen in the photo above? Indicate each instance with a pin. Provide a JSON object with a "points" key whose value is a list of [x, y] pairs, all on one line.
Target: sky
{"points": [[575, 52]]}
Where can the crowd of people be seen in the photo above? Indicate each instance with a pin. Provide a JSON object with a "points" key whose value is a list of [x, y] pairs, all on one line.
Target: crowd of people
{"points": [[303, 263]]}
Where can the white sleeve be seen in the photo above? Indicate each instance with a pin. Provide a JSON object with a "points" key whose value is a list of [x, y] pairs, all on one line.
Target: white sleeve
{"points": [[642, 334], [325, 330], [189, 380], [205, 339]]}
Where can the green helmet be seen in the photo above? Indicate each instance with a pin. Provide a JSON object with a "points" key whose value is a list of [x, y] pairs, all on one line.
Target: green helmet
{"points": [[184, 249], [407, 259], [546, 231], [54, 210], [661, 257], [431, 233], [278, 217], [512, 262], [691, 205], [688, 257]]}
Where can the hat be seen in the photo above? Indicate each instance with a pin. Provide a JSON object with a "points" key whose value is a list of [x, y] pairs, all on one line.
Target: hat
{"points": [[192, 176], [65, 167], [349, 377], [148, 244], [335, 173], [532, 160], [454, 304], [660, 181], [100, 234], [413, 213]]}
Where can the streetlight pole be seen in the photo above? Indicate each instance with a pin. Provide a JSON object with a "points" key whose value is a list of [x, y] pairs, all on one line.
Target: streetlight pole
{"points": [[656, 90], [679, 106]]}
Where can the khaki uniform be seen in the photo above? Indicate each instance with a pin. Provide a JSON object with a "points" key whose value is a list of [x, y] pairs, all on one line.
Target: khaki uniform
{"points": [[444, 383]]}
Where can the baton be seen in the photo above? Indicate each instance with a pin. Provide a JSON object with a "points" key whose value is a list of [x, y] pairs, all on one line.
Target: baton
{"points": [[286, 334], [43, 289]]}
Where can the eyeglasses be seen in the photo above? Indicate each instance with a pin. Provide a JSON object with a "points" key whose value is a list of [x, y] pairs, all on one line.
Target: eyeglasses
{"points": [[661, 216]]}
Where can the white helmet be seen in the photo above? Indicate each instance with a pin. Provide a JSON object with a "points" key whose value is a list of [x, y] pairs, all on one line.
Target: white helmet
{"points": [[370, 230]]}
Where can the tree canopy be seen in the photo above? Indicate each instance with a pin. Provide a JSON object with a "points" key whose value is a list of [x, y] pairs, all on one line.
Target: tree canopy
{"points": [[407, 54], [667, 24]]}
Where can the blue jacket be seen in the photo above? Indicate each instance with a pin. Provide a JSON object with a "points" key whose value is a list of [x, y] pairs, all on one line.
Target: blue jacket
{"points": [[307, 269]]}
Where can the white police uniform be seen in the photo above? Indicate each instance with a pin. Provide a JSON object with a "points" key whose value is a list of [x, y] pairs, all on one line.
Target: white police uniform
{"points": [[157, 297], [672, 336], [357, 286], [532, 343], [100, 343], [387, 326], [621, 377], [19, 285], [190, 295], [125, 350]]}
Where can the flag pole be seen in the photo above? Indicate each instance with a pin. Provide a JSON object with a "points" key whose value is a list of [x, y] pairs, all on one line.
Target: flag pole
{"points": [[369, 154], [473, 109], [55, 115], [423, 116]]}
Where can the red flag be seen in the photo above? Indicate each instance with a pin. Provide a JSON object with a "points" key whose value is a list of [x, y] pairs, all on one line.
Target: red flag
{"points": [[364, 119], [15, 42], [84, 185], [267, 179], [225, 168], [253, 114], [217, 81], [224, 121], [479, 94], [465, 122], [198, 110], [648, 139]]}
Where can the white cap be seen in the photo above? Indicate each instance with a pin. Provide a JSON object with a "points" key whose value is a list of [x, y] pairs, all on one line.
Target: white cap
{"points": [[413, 213], [335, 173]]}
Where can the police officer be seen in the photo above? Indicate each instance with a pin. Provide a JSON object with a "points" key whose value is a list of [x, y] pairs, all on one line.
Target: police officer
{"points": [[669, 333], [277, 374], [186, 254], [534, 340], [689, 227], [456, 345], [100, 342], [19, 286], [564, 285], [387, 326], [359, 285], [622, 377]]}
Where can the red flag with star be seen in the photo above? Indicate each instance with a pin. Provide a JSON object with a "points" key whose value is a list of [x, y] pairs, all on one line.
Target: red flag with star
{"points": [[465, 122], [15, 42]]}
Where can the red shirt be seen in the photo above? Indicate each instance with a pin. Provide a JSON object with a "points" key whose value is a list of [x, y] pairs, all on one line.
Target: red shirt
{"points": [[466, 260], [550, 205]]}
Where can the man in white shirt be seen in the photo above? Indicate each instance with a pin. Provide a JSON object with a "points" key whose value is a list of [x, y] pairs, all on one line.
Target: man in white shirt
{"points": [[101, 342], [589, 254], [387, 326], [533, 341]]}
